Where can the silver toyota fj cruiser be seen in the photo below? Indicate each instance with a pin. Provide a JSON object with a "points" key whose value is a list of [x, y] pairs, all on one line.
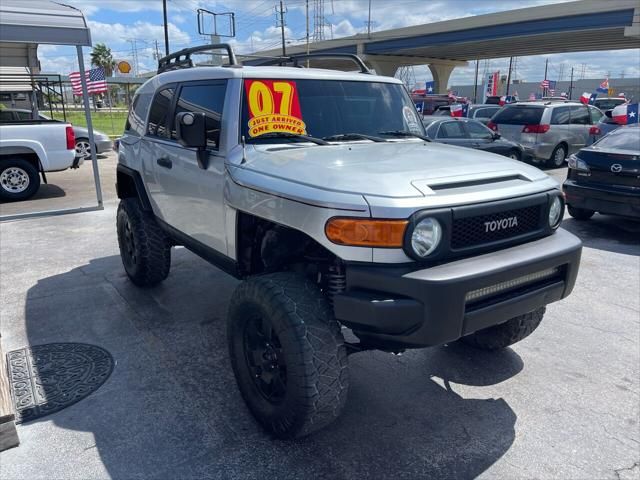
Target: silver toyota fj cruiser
{"points": [[320, 191]]}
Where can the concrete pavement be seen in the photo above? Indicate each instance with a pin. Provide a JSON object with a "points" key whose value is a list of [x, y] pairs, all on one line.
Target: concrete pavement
{"points": [[563, 403]]}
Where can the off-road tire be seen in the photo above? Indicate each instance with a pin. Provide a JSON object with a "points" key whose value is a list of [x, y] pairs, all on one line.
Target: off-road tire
{"points": [[554, 160], [14, 168], [147, 259], [312, 350], [580, 213], [505, 334]]}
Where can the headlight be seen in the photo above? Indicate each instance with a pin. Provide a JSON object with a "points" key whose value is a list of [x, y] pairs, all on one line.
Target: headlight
{"points": [[555, 212], [426, 236], [577, 164]]}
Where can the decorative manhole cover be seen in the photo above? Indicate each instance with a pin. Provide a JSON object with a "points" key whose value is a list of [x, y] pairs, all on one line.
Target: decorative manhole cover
{"points": [[47, 378]]}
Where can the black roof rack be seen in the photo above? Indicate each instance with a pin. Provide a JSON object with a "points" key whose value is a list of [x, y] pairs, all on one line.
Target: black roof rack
{"points": [[295, 59], [182, 59]]}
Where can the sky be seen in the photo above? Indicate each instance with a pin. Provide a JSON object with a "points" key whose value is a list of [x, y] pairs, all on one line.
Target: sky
{"points": [[125, 24]]}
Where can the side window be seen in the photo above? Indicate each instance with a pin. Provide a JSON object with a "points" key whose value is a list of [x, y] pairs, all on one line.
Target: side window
{"points": [[158, 115], [432, 130], [579, 116], [596, 114], [477, 130], [137, 114], [560, 116], [24, 115], [6, 116], [208, 99], [451, 130]]}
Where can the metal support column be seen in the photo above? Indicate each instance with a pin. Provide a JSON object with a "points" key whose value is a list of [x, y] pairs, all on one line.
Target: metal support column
{"points": [[87, 114]]}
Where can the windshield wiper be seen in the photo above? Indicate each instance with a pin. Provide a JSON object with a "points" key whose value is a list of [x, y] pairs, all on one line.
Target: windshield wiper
{"points": [[402, 133], [306, 138], [353, 136]]}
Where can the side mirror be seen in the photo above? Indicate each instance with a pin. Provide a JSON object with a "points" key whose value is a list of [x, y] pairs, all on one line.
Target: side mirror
{"points": [[495, 136], [191, 131]]}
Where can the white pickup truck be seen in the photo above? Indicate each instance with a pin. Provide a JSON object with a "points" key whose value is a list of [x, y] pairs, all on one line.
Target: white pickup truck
{"points": [[30, 148]]}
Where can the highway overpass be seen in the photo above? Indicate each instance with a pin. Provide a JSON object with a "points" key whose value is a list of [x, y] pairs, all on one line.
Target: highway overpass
{"points": [[584, 25]]}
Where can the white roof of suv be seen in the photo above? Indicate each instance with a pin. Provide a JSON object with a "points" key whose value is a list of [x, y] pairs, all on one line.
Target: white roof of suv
{"points": [[210, 73]]}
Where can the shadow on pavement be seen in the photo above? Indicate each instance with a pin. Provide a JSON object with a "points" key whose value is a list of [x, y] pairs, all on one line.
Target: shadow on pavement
{"points": [[171, 408], [606, 232], [46, 190]]}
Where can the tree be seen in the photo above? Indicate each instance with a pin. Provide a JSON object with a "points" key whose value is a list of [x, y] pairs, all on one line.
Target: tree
{"points": [[101, 57]]}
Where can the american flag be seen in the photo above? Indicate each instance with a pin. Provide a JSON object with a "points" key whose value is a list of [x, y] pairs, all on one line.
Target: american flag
{"points": [[544, 83], [96, 82]]}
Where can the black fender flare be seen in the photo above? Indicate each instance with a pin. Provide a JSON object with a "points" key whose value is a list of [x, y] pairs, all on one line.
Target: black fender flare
{"points": [[129, 183]]}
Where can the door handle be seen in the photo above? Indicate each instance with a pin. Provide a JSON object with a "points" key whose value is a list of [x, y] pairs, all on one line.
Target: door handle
{"points": [[165, 162]]}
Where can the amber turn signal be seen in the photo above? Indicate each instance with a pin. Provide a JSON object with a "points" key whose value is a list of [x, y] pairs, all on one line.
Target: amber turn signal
{"points": [[366, 232]]}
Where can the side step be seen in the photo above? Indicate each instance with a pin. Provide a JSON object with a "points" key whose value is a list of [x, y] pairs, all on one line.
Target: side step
{"points": [[8, 432]]}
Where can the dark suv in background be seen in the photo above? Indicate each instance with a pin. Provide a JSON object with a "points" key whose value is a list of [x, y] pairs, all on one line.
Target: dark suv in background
{"points": [[605, 177]]}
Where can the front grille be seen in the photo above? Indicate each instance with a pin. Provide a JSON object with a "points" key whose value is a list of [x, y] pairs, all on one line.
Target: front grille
{"points": [[483, 229]]}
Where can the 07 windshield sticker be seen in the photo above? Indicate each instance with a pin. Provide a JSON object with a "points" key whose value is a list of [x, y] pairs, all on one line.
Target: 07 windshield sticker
{"points": [[273, 107]]}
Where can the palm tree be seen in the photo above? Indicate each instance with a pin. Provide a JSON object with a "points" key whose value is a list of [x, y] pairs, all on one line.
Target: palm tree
{"points": [[101, 57]]}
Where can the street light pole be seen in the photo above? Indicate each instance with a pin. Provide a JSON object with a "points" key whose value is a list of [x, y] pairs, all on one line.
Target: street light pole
{"points": [[166, 27]]}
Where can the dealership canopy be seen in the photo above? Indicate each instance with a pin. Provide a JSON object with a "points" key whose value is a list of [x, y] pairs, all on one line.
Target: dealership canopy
{"points": [[24, 25]]}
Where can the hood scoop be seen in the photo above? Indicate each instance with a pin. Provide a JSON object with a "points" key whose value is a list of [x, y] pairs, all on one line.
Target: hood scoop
{"points": [[464, 184]]}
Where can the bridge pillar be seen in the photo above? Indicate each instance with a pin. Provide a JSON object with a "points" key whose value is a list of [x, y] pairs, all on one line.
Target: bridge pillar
{"points": [[386, 68], [441, 73]]}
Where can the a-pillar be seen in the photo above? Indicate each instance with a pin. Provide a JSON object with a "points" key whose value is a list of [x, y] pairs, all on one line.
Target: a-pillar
{"points": [[441, 74]]}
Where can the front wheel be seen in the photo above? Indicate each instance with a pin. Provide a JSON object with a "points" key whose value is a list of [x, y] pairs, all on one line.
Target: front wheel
{"points": [[288, 354], [83, 148], [580, 213], [19, 179], [505, 334], [514, 155]]}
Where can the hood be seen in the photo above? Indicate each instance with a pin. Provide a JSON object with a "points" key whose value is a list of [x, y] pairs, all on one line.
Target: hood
{"points": [[403, 169]]}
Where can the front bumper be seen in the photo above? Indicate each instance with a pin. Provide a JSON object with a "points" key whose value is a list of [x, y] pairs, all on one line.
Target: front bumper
{"points": [[602, 200], [402, 308]]}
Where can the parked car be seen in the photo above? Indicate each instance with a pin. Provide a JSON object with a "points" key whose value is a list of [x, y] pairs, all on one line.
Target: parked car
{"points": [[82, 147], [479, 111], [605, 177], [548, 131], [30, 148], [608, 103], [427, 104], [606, 124], [338, 212], [466, 132]]}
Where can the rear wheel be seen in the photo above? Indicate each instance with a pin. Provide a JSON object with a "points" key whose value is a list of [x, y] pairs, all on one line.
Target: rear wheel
{"points": [[580, 213], [505, 334], [19, 179], [144, 248], [557, 156], [287, 353]]}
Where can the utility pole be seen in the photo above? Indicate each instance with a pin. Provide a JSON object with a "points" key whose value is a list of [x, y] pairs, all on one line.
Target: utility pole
{"points": [[281, 13], [509, 74], [369, 22], [571, 85], [307, 19], [157, 50], [475, 84], [546, 67], [166, 27]]}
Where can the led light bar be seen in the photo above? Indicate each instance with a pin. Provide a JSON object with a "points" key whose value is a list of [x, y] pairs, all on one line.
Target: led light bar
{"points": [[510, 284]]}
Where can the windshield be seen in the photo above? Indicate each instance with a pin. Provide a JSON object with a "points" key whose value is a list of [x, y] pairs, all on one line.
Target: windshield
{"points": [[622, 139], [325, 108], [518, 115]]}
